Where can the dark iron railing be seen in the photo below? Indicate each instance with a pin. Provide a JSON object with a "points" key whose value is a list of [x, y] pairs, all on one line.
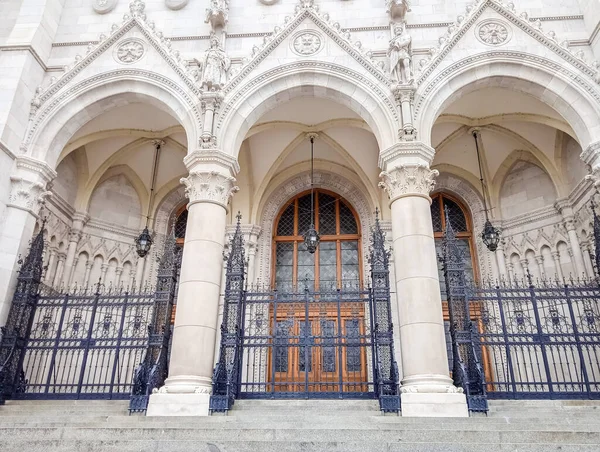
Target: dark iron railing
{"points": [[521, 341], [306, 344], [84, 344]]}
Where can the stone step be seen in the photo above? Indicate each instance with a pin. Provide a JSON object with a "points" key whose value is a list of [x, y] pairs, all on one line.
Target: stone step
{"points": [[305, 435], [273, 446]]}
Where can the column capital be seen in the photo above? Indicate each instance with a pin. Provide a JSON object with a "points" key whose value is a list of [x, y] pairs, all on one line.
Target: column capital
{"points": [[29, 184], [209, 186], [555, 255], [408, 180], [539, 259], [406, 153]]}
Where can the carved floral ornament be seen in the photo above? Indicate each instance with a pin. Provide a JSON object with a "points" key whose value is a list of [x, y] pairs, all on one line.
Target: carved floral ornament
{"points": [[406, 180], [129, 51], [209, 186], [307, 43], [493, 32]]}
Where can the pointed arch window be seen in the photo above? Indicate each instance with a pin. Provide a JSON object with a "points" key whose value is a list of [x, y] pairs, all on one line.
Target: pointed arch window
{"points": [[337, 261]]}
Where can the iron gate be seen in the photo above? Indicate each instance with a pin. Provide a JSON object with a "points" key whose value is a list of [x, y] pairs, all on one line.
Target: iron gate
{"points": [[305, 344], [83, 345]]}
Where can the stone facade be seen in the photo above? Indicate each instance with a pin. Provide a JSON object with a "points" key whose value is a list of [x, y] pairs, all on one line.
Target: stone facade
{"points": [[233, 88]]}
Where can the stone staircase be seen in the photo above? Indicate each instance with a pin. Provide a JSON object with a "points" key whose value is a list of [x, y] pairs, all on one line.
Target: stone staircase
{"points": [[286, 426]]}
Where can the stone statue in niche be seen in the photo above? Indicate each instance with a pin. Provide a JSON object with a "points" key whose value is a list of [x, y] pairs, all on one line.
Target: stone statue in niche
{"points": [[400, 53], [214, 66]]}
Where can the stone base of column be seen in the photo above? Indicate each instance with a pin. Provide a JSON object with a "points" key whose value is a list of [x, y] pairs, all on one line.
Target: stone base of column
{"points": [[432, 395], [183, 395], [434, 404], [178, 405]]}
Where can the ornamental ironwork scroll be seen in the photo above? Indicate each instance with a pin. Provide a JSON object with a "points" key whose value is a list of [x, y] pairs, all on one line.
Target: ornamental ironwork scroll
{"points": [[152, 371], [20, 318], [467, 371], [386, 368], [226, 374]]}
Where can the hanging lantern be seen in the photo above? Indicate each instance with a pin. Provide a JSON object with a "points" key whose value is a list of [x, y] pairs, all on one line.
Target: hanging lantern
{"points": [[490, 236], [311, 239], [143, 243]]}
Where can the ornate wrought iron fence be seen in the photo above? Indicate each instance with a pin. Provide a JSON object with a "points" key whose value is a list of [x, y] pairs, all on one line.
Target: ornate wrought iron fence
{"points": [[539, 342], [531, 341], [306, 344], [81, 345]]}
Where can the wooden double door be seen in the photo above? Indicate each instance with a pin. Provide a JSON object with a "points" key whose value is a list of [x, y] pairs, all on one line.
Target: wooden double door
{"points": [[319, 351]]}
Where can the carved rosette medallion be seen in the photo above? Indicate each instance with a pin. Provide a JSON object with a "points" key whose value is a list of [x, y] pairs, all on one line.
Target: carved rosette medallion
{"points": [[103, 6], [129, 51], [209, 186], [408, 180], [493, 33], [307, 43]]}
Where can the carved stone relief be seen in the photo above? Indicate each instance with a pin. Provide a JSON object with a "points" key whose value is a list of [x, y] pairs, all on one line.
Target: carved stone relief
{"points": [[307, 43], [493, 33], [129, 51]]}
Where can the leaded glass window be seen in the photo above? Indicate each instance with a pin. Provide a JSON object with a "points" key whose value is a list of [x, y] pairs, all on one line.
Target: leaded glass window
{"points": [[337, 261]]}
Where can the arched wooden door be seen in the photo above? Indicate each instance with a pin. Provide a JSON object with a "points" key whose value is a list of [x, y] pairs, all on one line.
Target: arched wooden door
{"points": [[316, 351]]}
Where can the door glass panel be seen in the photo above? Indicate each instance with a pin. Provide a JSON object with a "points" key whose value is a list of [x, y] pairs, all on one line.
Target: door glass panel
{"points": [[284, 266], [305, 349], [328, 353], [352, 352], [350, 264], [328, 265], [281, 348]]}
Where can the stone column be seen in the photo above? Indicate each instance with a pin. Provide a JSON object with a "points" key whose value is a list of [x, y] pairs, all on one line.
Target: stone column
{"points": [[569, 221], [525, 266], [28, 189], [139, 273], [511, 272], [501, 261], [118, 273], [540, 263], [587, 259], [556, 258], [88, 269], [209, 186], [103, 270], [59, 270], [427, 389], [253, 234], [51, 270], [79, 221]]}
